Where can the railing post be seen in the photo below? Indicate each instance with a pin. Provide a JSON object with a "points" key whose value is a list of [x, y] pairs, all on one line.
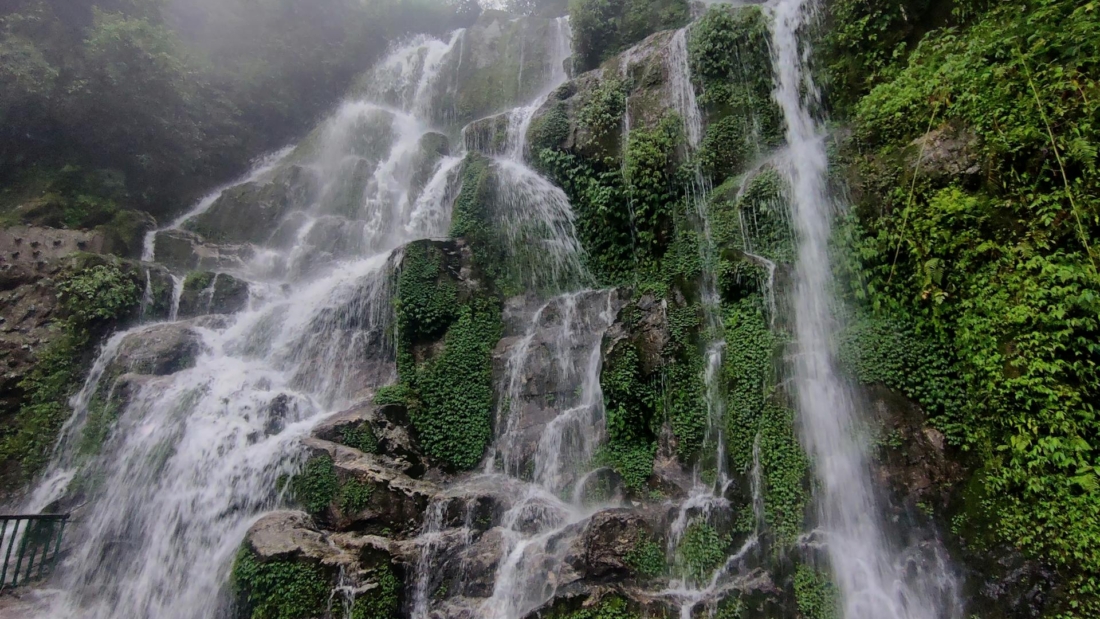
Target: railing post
{"points": [[7, 555]]}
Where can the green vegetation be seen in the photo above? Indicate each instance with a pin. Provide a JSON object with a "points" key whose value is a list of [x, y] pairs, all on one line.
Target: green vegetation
{"points": [[612, 607], [360, 437], [145, 103], [702, 550], [95, 294], [731, 60], [647, 558], [355, 496], [452, 418], [602, 28], [278, 589], [815, 594], [982, 258], [630, 398], [382, 601], [316, 485]]}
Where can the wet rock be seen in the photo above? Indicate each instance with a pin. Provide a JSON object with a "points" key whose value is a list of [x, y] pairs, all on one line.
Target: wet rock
{"points": [[184, 251], [388, 430], [159, 350], [250, 212], [205, 292], [948, 151], [433, 148], [600, 552], [288, 535], [555, 342], [504, 62], [488, 136], [396, 501]]}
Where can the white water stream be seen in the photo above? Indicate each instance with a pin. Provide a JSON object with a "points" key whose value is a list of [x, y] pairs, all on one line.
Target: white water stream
{"points": [[876, 580]]}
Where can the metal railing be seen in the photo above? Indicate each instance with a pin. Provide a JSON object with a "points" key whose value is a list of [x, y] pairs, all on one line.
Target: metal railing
{"points": [[27, 544]]}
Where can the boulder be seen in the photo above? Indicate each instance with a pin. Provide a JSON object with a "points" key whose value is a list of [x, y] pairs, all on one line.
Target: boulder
{"points": [[250, 212], [181, 250], [601, 551], [205, 292], [943, 153], [396, 501], [158, 350], [388, 429], [288, 535]]}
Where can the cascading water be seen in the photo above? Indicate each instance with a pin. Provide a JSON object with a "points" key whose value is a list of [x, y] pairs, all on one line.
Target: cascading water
{"points": [[875, 581], [193, 458]]}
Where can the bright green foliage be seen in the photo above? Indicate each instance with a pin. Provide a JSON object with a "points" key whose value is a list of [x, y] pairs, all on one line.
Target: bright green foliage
{"points": [[360, 437], [631, 404], [381, 602], [392, 394], [731, 60], [427, 300], [549, 130], [758, 420], [815, 594], [602, 114], [702, 550], [602, 28], [653, 185], [355, 496], [453, 418], [317, 485], [647, 558], [278, 589], [93, 297], [683, 385], [1000, 267], [98, 294], [54, 379]]}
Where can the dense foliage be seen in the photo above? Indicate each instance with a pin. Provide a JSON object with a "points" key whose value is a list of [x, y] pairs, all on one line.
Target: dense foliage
{"points": [[146, 103], [95, 294], [278, 589], [979, 240], [602, 28], [452, 418]]}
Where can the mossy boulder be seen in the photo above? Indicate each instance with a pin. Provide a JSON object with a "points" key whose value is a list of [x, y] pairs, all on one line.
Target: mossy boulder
{"points": [[251, 211], [206, 292]]}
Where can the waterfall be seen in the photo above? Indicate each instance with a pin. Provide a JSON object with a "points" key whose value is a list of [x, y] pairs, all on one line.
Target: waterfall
{"points": [[193, 458], [874, 579]]}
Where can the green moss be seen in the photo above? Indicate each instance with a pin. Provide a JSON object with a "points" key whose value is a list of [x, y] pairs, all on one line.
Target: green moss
{"points": [[731, 59], [317, 485], [550, 130], [426, 299], [611, 607], [278, 589], [602, 28], [756, 416], [630, 400]]}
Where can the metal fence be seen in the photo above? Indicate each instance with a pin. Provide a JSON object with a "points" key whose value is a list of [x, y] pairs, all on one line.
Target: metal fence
{"points": [[29, 547]]}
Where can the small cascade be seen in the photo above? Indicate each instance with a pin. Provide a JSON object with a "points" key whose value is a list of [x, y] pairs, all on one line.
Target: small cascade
{"points": [[875, 579], [177, 295]]}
